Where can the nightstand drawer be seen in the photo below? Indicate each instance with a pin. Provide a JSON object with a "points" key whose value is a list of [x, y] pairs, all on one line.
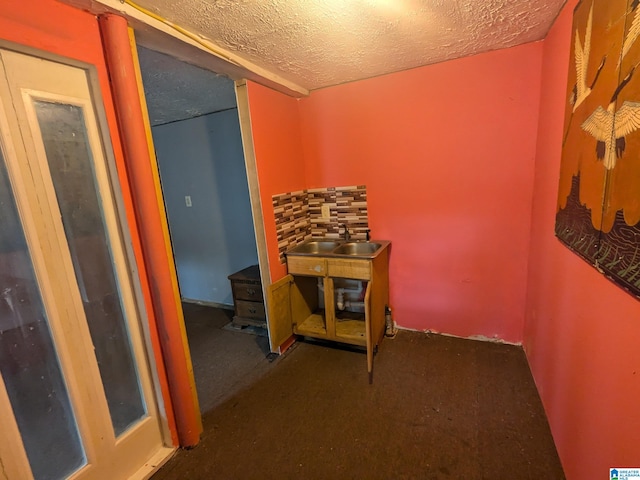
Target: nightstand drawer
{"points": [[247, 291], [250, 309], [247, 297]]}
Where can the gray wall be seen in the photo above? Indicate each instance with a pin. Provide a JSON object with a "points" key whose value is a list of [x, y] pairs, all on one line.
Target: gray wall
{"points": [[202, 157]]}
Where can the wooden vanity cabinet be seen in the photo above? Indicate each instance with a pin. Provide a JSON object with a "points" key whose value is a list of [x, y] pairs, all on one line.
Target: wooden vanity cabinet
{"points": [[294, 306]]}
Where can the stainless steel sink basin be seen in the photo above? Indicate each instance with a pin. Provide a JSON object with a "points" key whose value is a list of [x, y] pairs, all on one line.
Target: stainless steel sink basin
{"points": [[328, 247], [316, 247], [357, 248]]}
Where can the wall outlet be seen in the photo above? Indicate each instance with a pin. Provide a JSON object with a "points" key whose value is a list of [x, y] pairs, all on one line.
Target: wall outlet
{"points": [[326, 211], [187, 200]]}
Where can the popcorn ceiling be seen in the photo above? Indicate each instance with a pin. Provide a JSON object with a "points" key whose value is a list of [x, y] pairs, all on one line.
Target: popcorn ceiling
{"points": [[327, 42], [176, 91]]}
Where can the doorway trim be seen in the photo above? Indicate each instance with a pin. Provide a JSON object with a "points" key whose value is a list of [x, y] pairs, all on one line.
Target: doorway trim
{"points": [[244, 114], [157, 36], [119, 45]]}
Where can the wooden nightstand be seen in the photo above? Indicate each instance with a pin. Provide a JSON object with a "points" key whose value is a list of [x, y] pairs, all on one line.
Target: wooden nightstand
{"points": [[248, 301]]}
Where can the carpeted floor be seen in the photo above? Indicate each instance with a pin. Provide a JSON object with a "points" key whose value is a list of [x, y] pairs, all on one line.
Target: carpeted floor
{"points": [[438, 408], [224, 360]]}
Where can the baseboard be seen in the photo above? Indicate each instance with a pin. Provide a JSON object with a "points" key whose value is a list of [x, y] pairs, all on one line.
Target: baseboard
{"points": [[478, 338], [161, 457], [208, 304]]}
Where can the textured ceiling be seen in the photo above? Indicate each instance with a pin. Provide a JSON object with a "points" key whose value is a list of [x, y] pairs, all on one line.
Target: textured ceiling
{"points": [[318, 43], [175, 90]]}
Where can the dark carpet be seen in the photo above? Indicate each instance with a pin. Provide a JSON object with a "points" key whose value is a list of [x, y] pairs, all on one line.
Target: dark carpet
{"points": [[439, 408], [225, 360]]}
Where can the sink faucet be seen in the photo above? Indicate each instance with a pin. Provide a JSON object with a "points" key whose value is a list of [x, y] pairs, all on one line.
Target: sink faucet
{"points": [[347, 236]]}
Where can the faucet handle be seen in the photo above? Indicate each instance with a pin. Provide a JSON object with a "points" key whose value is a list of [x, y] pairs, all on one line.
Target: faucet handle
{"points": [[367, 233]]}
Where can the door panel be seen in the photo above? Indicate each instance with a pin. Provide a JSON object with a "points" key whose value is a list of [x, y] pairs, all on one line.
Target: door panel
{"points": [[65, 211], [64, 136], [29, 363]]}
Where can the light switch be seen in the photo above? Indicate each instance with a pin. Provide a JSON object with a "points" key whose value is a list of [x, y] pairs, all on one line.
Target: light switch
{"points": [[325, 211], [187, 200]]}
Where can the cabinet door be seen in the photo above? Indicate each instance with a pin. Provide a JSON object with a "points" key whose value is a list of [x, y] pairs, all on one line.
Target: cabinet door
{"points": [[279, 304]]}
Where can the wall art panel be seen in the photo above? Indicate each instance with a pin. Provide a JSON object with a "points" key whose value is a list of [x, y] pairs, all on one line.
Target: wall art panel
{"points": [[599, 193]]}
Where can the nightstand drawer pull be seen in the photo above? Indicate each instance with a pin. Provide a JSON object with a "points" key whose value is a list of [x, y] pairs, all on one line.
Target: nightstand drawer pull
{"points": [[247, 292], [250, 309]]}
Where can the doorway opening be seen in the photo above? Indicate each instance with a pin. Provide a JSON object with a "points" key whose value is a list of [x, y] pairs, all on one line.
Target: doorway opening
{"points": [[194, 122]]}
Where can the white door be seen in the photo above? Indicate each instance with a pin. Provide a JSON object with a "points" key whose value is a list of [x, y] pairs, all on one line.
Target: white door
{"points": [[76, 395]]}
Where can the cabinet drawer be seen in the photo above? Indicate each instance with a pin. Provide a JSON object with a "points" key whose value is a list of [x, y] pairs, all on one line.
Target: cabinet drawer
{"points": [[359, 269], [306, 266], [250, 309], [247, 291]]}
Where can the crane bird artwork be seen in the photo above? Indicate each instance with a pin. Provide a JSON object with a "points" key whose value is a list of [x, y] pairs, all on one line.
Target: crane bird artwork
{"points": [[610, 127], [634, 30], [581, 52], [598, 210]]}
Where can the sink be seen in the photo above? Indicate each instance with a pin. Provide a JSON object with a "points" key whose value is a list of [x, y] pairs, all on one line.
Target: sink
{"points": [[316, 247], [328, 247], [357, 248]]}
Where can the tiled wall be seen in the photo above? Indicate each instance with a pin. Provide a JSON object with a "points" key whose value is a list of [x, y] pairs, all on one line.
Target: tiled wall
{"points": [[298, 215], [291, 211], [348, 206]]}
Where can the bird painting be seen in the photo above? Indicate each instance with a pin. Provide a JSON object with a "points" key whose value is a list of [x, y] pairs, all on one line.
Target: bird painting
{"points": [[610, 127], [581, 90], [598, 212], [634, 30]]}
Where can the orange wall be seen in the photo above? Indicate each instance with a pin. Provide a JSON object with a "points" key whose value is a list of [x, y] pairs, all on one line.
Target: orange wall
{"points": [[275, 126], [447, 154], [57, 28], [581, 332], [452, 156]]}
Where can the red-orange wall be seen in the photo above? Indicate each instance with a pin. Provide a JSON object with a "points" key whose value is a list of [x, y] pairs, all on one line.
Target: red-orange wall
{"points": [[461, 161], [275, 127], [582, 332], [447, 154]]}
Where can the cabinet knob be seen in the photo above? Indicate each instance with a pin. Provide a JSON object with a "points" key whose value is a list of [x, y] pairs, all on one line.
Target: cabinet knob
{"points": [[251, 291], [252, 310]]}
